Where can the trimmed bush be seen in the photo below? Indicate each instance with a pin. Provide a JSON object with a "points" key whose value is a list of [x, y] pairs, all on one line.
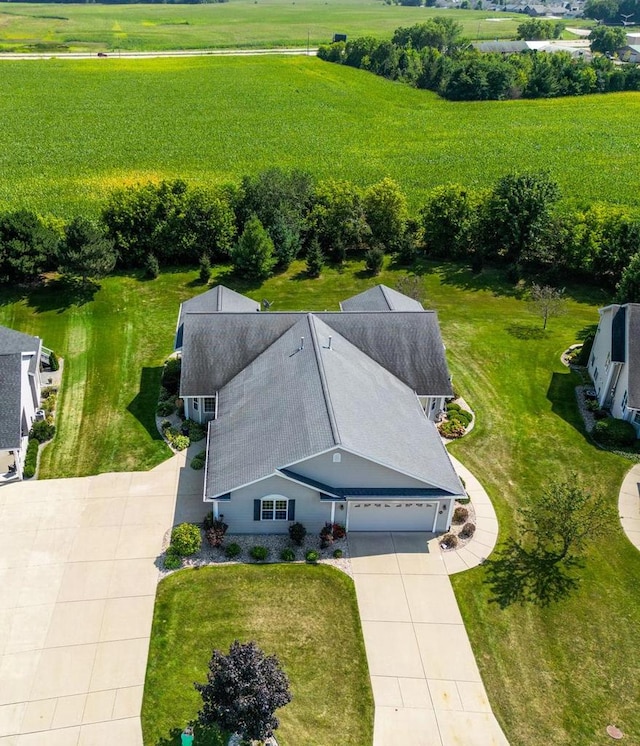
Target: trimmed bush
{"points": [[166, 407], [171, 376], [232, 551], [31, 459], [287, 555], [339, 531], [297, 532], [172, 561], [186, 539], [337, 554], [196, 430], [176, 438], [312, 556], [453, 407], [54, 363], [49, 403], [449, 541], [215, 534], [460, 515], [467, 531], [613, 432], [451, 429], [42, 431], [197, 462], [259, 554]]}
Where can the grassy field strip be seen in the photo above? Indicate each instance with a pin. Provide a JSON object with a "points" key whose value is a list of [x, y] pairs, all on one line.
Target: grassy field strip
{"points": [[104, 123], [239, 23]]}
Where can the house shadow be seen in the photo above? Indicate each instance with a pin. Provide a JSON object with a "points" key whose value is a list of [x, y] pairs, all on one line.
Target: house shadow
{"points": [[190, 507], [562, 395], [143, 405]]}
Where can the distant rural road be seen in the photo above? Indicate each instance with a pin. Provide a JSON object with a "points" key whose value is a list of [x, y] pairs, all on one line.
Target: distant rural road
{"points": [[151, 55]]}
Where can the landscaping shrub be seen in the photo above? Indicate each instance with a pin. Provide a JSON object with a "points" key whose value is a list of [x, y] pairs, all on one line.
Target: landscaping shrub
{"points": [[196, 430], [49, 403], [171, 376], [287, 555], [449, 541], [48, 391], [215, 534], [207, 521], [54, 363], [259, 553], [460, 515], [31, 459], [151, 267], [176, 438], [592, 405], [601, 414], [312, 556], [452, 407], [467, 531], [339, 531], [166, 407], [42, 431], [613, 432], [451, 429], [186, 539], [232, 551], [172, 562], [197, 462], [337, 554], [297, 532], [326, 536]]}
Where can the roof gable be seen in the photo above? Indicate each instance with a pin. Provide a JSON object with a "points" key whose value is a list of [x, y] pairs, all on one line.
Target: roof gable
{"points": [[380, 298]]}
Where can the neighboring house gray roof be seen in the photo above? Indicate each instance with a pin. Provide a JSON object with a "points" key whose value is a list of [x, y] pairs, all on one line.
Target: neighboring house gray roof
{"points": [[381, 298], [10, 400], [633, 355], [502, 47], [13, 341], [297, 400], [217, 347], [218, 299]]}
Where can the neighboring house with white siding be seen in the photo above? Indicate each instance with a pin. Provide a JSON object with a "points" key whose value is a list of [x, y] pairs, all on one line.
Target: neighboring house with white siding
{"points": [[20, 356], [319, 417], [614, 364]]}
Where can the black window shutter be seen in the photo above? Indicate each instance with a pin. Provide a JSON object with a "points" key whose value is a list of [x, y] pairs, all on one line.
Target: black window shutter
{"points": [[292, 510], [256, 510]]}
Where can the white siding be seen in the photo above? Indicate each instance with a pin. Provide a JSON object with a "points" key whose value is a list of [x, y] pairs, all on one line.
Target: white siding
{"points": [[599, 352], [30, 392]]}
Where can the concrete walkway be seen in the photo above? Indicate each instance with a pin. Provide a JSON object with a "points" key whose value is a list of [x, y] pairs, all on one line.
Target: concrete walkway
{"points": [[78, 580], [426, 684], [629, 505]]}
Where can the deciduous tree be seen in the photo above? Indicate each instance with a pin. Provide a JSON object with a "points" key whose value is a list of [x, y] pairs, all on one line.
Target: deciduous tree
{"points": [[546, 302]]}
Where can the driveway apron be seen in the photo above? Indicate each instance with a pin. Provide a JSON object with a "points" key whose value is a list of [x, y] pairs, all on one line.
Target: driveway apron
{"points": [[426, 683], [78, 580]]}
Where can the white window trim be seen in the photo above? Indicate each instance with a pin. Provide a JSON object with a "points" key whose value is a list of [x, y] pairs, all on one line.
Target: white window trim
{"points": [[209, 404], [274, 499]]}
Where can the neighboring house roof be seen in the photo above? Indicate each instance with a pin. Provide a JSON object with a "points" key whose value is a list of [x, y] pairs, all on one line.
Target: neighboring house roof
{"points": [[381, 298], [297, 400], [218, 299], [633, 355], [13, 345], [10, 401], [502, 47], [217, 347]]}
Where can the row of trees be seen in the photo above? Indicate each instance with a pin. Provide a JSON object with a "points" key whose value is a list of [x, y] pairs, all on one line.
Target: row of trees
{"points": [[274, 217], [612, 11], [433, 56]]}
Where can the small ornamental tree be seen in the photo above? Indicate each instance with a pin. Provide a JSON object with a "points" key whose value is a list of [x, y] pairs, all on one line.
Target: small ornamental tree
{"points": [[546, 302], [244, 689]]}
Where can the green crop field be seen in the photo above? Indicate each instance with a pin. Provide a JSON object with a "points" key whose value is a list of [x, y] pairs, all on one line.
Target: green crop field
{"points": [[238, 23], [72, 130]]}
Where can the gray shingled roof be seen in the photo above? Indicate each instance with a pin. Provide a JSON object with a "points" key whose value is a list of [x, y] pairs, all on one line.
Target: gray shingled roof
{"points": [[381, 298], [291, 403], [10, 400], [217, 347], [633, 355], [218, 299], [13, 341]]}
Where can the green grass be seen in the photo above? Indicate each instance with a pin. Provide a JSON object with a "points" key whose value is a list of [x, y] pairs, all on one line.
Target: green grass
{"points": [[73, 130], [306, 615], [239, 23], [554, 676]]}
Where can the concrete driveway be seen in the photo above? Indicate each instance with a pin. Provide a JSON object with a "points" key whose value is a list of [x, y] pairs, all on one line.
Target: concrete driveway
{"points": [[426, 684], [78, 580]]}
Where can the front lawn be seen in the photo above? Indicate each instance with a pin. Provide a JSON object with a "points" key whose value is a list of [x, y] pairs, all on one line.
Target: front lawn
{"points": [[306, 615]]}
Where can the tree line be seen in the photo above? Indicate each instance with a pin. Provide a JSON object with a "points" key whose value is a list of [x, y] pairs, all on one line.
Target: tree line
{"points": [[434, 56], [274, 217]]}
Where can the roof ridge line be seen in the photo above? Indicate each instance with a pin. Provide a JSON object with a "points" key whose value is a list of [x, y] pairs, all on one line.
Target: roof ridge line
{"points": [[323, 380], [219, 298], [383, 290]]}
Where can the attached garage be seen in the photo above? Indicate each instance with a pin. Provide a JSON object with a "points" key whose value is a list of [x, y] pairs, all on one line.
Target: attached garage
{"points": [[392, 515]]}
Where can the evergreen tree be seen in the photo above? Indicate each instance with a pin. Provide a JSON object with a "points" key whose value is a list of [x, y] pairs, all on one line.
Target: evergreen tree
{"points": [[315, 259], [86, 251], [253, 256]]}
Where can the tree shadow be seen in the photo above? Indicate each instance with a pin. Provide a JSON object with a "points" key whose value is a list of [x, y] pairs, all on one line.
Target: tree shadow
{"points": [[525, 331], [586, 331], [204, 736], [233, 280], [61, 293], [516, 575], [562, 395], [143, 405]]}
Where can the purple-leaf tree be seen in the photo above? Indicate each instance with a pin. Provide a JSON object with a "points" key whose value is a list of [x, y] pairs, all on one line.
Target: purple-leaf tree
{"points": [[244, 689]]}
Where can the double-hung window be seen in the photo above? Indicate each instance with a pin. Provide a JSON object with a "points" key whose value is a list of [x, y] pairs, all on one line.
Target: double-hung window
{"points": [[273, 509]]}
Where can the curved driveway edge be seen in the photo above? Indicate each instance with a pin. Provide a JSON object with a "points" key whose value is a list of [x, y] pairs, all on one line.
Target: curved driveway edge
{"points": [[485, 538], [78, 577], [629, 505]]}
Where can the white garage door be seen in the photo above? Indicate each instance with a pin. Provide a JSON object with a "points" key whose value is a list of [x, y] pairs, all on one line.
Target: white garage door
{"points": [[391, 515]]}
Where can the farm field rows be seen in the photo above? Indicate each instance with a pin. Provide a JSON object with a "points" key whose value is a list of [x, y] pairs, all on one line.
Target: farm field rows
{"points": [[238, 23], [73, 130]]}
